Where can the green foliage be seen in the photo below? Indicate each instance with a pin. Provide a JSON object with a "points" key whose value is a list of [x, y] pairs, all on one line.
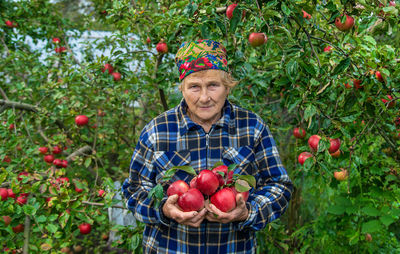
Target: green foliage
{"points": [[290, 81]]}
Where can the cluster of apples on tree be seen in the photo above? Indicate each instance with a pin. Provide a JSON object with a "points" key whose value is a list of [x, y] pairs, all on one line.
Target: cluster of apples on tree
{"points": [[220, 185], [313, 144]]}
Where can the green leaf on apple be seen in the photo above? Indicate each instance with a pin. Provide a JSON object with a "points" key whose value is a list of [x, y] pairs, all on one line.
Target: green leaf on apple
{"points": [[242, 186], [251, 180], [232, 167], [156, 193], [217, 164], [187, 169]]}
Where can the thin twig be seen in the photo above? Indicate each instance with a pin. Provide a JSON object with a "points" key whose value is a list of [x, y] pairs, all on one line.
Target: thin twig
{"points": [[312, 47], [101, 204]]}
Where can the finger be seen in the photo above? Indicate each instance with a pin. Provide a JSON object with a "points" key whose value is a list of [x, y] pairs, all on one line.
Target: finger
{"points": [[172, 199], [239, 200]]}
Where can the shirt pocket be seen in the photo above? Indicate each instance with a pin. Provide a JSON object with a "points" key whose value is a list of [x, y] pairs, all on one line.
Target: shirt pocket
{"points": [[165, 160], [243, 156]]}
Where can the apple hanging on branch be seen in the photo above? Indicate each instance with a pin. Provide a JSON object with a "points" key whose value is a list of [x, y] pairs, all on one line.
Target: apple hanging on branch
{"points": [[344, 23]]}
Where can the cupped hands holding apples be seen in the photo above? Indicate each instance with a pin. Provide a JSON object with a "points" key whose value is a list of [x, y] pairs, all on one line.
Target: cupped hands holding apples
{"points": [[226, 195]]}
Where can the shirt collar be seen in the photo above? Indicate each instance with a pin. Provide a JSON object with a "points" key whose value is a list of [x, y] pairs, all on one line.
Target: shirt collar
{"points": [[185, 123]]}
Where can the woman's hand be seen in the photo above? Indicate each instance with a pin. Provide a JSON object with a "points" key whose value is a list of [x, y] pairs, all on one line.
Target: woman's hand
{"points": [[239, 213], [172, 211]]}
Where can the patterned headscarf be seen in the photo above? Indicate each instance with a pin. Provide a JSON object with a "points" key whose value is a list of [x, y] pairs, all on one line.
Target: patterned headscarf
{"points": [[200, 55]]}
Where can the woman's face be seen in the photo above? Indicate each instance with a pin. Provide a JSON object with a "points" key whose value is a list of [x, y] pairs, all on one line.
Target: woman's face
{"points": [[205, 96]]}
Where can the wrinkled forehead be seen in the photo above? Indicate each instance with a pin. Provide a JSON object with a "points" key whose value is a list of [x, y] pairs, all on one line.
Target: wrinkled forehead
{"points": [[205, 76]]}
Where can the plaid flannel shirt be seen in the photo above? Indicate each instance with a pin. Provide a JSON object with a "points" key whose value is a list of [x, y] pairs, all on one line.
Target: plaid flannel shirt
{"points": [[172, 139]]}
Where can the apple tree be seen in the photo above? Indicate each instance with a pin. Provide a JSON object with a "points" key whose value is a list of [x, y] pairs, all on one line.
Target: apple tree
{"points": [[71, 114]]}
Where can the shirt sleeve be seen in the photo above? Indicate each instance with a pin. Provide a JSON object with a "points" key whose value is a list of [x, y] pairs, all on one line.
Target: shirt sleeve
{"points": [[140, 182], [274, 189]]}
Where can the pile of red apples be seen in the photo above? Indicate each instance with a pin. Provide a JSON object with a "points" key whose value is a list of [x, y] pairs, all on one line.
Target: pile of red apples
{"points": [[217, 184]]}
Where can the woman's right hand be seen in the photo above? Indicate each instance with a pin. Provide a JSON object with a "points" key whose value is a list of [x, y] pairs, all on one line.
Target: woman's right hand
{"points": [[172, 211]]}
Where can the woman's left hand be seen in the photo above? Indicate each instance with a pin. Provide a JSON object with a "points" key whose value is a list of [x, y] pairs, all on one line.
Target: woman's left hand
{"points": [[239, 213]]}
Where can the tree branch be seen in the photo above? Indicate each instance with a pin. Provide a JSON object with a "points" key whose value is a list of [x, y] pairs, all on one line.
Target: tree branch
{"points": [[27, 228], [312, 47], [19, 105], [81, 151], [101, 204]]}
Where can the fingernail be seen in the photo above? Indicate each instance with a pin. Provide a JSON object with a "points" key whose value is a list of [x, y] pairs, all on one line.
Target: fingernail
{"points": [[195, 213]]}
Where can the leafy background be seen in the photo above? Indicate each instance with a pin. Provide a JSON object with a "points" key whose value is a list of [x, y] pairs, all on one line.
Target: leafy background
{"points": [[290, 81]]}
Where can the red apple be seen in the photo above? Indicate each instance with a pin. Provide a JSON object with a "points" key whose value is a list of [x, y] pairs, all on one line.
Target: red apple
{"points": [[225, 177], [7, 159], [3, 194], [347, 25], [64, 163], [389, 100], [56, 40], [101, 193], [85, 228], [224, 200], [341, 175], [347, 85], [313, 142], [192, 200], [7, 220], [148, 40], [62, 180], [162, 47], [230, 9], [78, 190], [60, 49], [57, 163], [81, 120], [327, 48], [56, 150], [178, 187], [303, 157], [11, 127], [21, 200], [108, 67], [335, 145], [207, 182], [9, 23], [193, 183], [298, 132], [48, 158], [336, 154], [378, 76], [368, 237], [245, 194], [357, 83], [257, 39], [392, 3], [20, 178], [18, 229], [43, 150], [116, 76], [306, 15], [11, 194]]}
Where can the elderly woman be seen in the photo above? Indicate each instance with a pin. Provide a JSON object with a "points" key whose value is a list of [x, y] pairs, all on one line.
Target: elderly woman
{"points": [[203, 129]]}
